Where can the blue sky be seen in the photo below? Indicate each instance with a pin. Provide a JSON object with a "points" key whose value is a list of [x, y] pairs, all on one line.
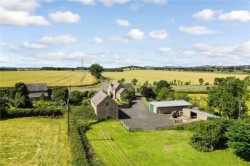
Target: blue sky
{"points": [[113, 33]]}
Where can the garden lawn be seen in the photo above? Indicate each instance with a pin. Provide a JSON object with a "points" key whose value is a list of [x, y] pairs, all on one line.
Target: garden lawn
{"points": [[52, 78], [156, 75], [116, 146], [34, 141]]}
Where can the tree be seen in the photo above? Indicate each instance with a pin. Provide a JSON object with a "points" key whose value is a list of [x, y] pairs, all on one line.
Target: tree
{"points": [[96, 70], [134, 81], [163, 93], [225, 96], [75, 97], [21, 98], [60, 94], [161, 84], [201, 81], [148, 93], [238, 136], [121, 81]]}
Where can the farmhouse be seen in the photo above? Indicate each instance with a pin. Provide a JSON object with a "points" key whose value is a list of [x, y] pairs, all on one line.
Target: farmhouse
{"points": [[193, 114], [116, 89], [37, 89], [104, 106], [167, 107]]}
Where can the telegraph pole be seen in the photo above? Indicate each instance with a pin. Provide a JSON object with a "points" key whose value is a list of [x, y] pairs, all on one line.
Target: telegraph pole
{"points": [[240, 101]]}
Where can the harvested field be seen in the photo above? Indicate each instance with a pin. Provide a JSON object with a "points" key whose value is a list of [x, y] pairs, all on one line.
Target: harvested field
{"points": [[156, 75], [52, 78]]}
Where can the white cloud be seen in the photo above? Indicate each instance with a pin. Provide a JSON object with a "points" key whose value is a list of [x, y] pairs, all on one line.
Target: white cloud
{"points": [[64, 17], [33, 45], [197, 30], [158, 34], [238, 15], [19, 5], [84, 2], [118, 38], [205, 15], [98, 40], [2, 44], [165, 50], [112, 2], [21, 18], [241, 51], [122, 22], [135, 34], [61, 39], [160, 2], [54, 56]]}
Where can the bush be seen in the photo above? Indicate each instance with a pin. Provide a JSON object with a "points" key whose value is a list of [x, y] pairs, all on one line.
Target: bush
{"points": [[76, 97], [41, 111], [209, 135], [238, 136], [60, 94]]}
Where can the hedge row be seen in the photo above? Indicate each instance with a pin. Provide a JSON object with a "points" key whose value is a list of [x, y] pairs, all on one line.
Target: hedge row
{"points": [[192, 91], [41, 111]]}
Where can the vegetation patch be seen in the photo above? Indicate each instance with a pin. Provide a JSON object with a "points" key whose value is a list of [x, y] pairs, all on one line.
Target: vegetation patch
{"points": [[114, 145], [34, 141]]}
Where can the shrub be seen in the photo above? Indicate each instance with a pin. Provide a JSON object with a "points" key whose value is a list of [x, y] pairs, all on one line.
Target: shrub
{"points": [[238, 136], [60, 94], [41, 111], [75, 97]]}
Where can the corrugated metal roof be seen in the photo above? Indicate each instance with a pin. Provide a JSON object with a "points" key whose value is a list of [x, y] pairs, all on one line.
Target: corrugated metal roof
{"points": [[203, 113], [175, 103], [99, 97]]}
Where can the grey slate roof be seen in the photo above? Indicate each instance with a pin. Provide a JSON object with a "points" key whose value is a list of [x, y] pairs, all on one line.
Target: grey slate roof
{"points": [[203, 113], [127, 85], [38, 94], [120, 91], [99, 97], [175, 103], [37, 87]]}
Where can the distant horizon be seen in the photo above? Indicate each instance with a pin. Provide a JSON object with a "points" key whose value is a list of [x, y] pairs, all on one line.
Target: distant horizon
{"points": [[124, 32], [132, 66]]}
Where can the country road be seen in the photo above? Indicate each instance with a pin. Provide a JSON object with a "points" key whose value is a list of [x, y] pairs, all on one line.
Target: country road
{"points": [[184, 87]]}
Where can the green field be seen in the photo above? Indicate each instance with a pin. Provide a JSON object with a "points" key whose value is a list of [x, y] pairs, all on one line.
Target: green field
{"points": [[52, 78], [116, 146], [34, 141], [156, 75]]}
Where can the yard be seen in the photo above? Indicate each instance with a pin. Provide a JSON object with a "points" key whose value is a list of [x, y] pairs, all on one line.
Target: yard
{"points": [[116, 146], [34, 141], [156, 75], [52, 78]]}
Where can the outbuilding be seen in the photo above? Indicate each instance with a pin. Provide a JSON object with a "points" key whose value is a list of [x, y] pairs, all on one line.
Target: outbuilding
{"points": [[194, 114], [38, 89], [104, 106], [167, 107]]}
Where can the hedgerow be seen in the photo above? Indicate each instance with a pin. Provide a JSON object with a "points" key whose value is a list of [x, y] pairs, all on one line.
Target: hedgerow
{"points": [[40, 111]]}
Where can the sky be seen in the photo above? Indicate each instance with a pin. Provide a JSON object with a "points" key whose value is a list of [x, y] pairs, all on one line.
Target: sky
{"points": [[115, 33]]}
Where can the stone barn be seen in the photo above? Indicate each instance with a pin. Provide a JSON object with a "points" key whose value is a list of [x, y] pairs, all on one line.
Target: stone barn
{"points": [[37, 89], [167, 107], [194, 114], [104, 106]]}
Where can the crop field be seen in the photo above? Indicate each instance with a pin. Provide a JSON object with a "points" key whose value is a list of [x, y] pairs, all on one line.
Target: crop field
{"points": [[34, 141], [156, 75], [52, 78], [116, 146]]}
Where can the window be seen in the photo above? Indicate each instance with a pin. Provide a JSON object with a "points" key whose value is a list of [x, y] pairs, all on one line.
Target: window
{"points": [[107, 104]]}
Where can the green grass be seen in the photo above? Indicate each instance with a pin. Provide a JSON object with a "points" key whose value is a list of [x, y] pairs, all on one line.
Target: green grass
{"points": [[34, 141], [156, 75], [52, 78], [116, 146]]}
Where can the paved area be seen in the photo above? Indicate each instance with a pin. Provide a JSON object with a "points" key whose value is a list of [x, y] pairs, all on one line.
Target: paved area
{"points": [[138, 117]]}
